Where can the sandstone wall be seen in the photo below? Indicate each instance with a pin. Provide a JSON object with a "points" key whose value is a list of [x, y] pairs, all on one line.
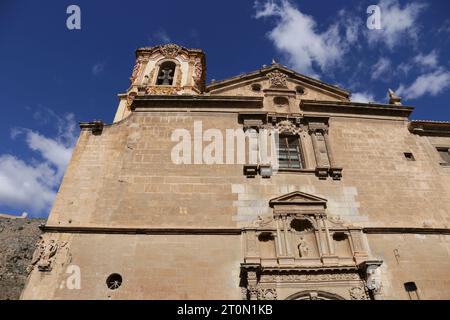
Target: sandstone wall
{"points": [[125, 178]]}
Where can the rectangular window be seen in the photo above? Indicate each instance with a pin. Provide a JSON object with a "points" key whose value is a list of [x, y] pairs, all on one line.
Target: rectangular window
{"points": [[445, 155], [289, 152]]}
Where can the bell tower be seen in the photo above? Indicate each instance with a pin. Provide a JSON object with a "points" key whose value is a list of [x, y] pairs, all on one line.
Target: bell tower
{"points": [[164, 70]]}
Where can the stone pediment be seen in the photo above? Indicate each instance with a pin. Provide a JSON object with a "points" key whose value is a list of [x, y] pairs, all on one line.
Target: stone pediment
{"points": [[278, 79], [298, 198]]}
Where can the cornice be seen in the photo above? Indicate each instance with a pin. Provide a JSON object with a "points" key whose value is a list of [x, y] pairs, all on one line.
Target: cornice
{"points": [[218, 231], [356, 108], [200, 101], [159, 47], [430, 128]]}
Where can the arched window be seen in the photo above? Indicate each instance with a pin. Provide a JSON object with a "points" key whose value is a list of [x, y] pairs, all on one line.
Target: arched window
{"points": [[166, 73]]}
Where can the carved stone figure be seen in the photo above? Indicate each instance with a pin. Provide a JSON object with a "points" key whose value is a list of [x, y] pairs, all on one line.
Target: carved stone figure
{"points": [[303, 248], [48, 253], [170, 50], [179, 76], [277, 79], [393, 98], [286, 126], [262, 222], [136, 70], [336, 220], [130, 98], [162, 90], [198, 69], [373, 278], [267, 294], [44, 255], [37, 254], [145, 82]]}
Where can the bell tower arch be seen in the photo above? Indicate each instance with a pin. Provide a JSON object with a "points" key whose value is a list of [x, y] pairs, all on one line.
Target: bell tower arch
{"points": [[163, 70]]}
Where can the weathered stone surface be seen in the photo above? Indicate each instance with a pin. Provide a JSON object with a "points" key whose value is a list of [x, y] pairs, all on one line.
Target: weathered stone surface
{"points": [[18, 239]]}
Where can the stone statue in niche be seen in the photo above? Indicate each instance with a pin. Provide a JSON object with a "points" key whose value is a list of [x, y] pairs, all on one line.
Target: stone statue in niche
{"points": [[303, 248], [145, 82]]}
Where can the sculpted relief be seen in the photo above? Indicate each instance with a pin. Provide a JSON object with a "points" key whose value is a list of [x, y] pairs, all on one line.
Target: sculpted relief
{"points": [[299, 247], [45, 254]]}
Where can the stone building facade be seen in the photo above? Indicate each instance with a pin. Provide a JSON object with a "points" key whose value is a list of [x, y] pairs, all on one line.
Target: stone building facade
{"points": [[358, 208]]}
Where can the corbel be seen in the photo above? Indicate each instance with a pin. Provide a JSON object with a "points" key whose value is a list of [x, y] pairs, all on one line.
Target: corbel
{"points": [[95, 126]]}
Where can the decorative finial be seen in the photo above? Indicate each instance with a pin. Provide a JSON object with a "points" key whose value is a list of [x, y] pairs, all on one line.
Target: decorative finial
{"points": [[393, 98], [273, 61]]}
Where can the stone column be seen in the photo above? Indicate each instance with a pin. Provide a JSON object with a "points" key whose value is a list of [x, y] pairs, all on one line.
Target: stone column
{"points": [[320, 151], [286, 237], [328, 146], [315, 147], [335, 171], [279, 239], [327, 232]]}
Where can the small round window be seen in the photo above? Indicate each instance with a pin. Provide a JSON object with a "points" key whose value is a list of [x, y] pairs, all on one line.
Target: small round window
{"points": [[300, 90], [256, 87], [114, 281]]}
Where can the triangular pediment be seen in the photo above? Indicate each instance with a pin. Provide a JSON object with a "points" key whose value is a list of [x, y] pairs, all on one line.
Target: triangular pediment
{"points": [[241, 85], [298, 198]]}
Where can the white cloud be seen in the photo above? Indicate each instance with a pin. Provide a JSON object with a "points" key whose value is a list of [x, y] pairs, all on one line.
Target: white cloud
{"points": [[445, 28], [296, 35], [404, 67], [351, 25], [398, 24], [98, 68], [364, 97], [380, 68], [161, 36], [25, 185], [431, 83], [31, 185], [430, 60], [51, 150]]}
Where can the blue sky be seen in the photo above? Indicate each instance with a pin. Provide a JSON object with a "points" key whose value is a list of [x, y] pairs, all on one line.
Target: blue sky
{"points": [[52, 77]]}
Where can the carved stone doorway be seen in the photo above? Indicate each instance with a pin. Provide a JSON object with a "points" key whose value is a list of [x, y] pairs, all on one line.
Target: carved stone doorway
{"points": [[314, 295]]}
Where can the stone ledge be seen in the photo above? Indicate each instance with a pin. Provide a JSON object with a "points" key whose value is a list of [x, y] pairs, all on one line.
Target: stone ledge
{"points": [[221, 231], [356, 108]]}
